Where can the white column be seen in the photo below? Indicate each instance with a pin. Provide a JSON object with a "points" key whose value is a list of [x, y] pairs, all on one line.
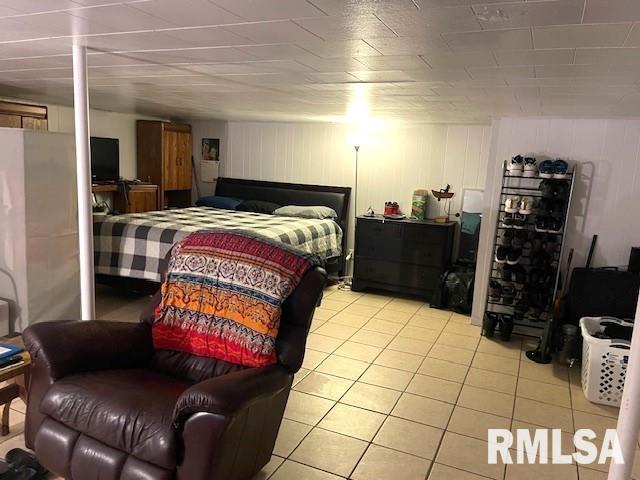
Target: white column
{"points": [[629, 417], [83, 176]]}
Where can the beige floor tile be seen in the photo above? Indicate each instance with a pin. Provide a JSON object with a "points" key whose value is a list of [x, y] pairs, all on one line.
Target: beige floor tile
{"points": [[469, 454], [299, 375], [380, 463], [399, 360], [451, 354], [19, 405], [460, 329], [345, 296], [305, 408], [11, 442], [316, 324], [579, 402], [313, 358], [486, 361], [598, 423], [406, 305], [323, 314], [487, 401], [460, 341], [364, 310], [501, 349], [552, 373], [269, 468], [323, 385], [409, 437], [371, 397], [382, 326], [541, 472], [289, 437], [329, 451], [434, 367], [543, 414], [349, 319], [419, 333], [567, 438], [588, 474], [544, 392], [334, 305], [373, 300], [386, 377], [443, 472], [435, 388], [410, 345], [498, 382], [423, 410], [394, 316], [460, 318], [353, 421], [342, 367], [427, 311], [336, 330], [429, 323], [374, 339], [295, 471], [358, 351], [322, 343], [473, 423]]}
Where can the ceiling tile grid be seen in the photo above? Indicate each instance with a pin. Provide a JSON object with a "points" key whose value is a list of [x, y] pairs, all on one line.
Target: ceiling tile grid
{"points": [[301, 60]]}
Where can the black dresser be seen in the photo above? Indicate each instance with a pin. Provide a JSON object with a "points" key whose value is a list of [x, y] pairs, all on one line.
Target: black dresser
{"points": [[405, 256]]}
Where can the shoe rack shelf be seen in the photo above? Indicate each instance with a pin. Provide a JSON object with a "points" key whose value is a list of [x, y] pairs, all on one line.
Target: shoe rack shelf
{"points": [[521, 306]]}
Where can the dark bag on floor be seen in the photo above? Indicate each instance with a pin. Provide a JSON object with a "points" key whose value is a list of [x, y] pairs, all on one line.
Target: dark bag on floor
{"points": [[455, 290]]}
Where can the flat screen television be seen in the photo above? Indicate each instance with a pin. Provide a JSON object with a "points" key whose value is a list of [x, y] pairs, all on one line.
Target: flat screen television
{"points": [[105, 159]]}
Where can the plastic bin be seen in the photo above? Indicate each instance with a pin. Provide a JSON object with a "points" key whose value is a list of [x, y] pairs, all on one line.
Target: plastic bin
{"points": [[604, 361]]}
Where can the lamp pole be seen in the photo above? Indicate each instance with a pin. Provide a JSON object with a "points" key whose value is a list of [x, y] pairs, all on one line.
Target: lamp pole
{"points": [[355, 188]]}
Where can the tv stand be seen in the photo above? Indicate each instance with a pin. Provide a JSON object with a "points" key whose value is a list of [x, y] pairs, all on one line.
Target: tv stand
{"points": [[141, 197]]}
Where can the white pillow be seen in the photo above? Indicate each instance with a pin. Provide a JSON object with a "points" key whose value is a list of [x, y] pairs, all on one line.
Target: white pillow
{"points": [[318, 211]]}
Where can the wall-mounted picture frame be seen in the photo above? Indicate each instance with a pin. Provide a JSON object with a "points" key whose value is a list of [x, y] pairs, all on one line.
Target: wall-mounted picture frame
{"points": [[211, 149]]}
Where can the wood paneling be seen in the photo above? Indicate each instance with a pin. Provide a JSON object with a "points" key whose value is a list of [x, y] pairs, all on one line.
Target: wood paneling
{"points": [[140, 198], [12, 121], [20, 115]]}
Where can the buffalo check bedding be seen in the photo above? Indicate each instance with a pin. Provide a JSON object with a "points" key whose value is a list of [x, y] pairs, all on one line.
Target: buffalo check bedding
{"points": [[134, 245]]}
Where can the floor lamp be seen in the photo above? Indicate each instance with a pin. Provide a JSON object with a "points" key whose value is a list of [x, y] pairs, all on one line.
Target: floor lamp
{"points": [[347, 279]]}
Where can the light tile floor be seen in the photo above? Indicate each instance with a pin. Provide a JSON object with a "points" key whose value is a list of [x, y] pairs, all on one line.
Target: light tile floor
{"points": [[393, 389]]}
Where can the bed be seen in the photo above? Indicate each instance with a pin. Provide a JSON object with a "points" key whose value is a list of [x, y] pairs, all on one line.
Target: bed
{"points": [[134, 245]]}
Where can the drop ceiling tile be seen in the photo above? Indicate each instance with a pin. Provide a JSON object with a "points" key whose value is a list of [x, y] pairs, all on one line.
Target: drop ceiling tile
{"points": [[99, 58], [50, 46], [188, 13], [535, 57], [120, 18], [608, 56], [339, 48], [284, 31], [127, 42], [482, 58], [438, 74], [570, 71], [450, 19], [423, 44], [257, 10], [363, 7], [38, 6], [35, 62], [634, 37], [13, 30], [611, 11], [7, 12], [331, 77], [558, 12], [511, 39], [346, 27], [581, 36], [381, 76], [341, 64], [501, 72], [207, 36], [393, 62], [274, 52]]}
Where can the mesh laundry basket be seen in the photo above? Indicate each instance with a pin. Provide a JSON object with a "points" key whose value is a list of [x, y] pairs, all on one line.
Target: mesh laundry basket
{"points": [[604, 361]]}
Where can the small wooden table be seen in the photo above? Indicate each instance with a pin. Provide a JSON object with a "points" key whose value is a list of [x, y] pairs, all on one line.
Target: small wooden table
{"points": [[17, 378]]}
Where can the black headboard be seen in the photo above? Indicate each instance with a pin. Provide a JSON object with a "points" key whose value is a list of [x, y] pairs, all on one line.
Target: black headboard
{"points": [[336, 198]]}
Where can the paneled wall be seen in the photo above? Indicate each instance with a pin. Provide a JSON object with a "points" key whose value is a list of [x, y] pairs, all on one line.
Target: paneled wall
{"points": [[392, 162], [606, 193]]}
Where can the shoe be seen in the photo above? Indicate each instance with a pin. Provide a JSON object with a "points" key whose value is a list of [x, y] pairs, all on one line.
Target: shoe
{"points": [[519, 239], [544, 206], [495, 290], [501, 254], [512, 205], [506, 326], [519, 221], [490, 323], [550, 245], [526, 206], [508, 220], [536, 241], [561, 189], [506, 272], [530, 167], [560, 168], [532, 315], [513, 256], [540, 259], [554, 225], [515, 167], [547, 188], [557, 207], [519, 274], [506, 238], [541, 226], [546, 169], [508, 293]]}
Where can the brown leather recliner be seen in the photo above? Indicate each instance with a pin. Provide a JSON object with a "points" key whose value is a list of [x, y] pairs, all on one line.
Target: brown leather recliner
{"points": [[103, 404]]}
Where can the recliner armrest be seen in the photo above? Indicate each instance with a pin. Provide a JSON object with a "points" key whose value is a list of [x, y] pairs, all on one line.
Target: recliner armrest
{"points": [[67, 347], [231, 393]]}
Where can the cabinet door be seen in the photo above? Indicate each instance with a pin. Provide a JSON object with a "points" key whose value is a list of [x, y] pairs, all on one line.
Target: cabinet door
{"points": [[170, 174], [184, 148], [13, 121]]}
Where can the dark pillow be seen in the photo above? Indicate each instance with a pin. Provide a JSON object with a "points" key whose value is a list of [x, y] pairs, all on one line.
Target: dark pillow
{"points": [[258, 206], [214, 201], [316, 211]]}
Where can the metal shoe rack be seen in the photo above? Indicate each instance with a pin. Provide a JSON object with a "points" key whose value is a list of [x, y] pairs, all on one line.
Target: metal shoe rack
{"points": [[519, 185]]}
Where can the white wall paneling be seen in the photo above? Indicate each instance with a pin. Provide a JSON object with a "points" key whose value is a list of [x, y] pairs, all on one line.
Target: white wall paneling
{"points": [[606, 192], [207, 129], [393, 161]]}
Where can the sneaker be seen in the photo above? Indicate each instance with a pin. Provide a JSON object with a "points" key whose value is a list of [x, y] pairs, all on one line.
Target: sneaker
{"points": [[506, 326], [550, 245], [532, 315], [560, 168], [508, 220], [495, 290], [513, 256], [519, 274], [530, 167], [557, 207], [554, 225], [506, 272], [501, 254], [512, 205], [526, 206], [506, 238], [544, 205], [546, 169], [490, 323], [508, 293], [515, 167], [547, 188], [519, 221], [541, 226], [519, 239]]}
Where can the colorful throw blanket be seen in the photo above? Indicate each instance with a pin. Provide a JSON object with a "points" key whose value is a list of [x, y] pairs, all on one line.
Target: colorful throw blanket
{"points": [[223, 295]]}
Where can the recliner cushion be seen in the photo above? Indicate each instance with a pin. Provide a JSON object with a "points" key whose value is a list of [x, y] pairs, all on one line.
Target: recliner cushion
{"points": [[131, 410]]}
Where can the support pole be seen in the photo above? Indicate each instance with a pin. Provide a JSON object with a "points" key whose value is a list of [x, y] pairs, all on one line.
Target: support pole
{"points": [[83, 178], [629, 416]]}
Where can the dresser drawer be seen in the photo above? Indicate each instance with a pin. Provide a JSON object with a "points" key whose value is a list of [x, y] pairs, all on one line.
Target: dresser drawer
{"points": [[395, 273], [429, 255], [382, 240]]}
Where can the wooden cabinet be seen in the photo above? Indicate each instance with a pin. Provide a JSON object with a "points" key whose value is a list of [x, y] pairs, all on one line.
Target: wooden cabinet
{"points": [[138, 199], [20, 115], [164, 158], [402, 256]]}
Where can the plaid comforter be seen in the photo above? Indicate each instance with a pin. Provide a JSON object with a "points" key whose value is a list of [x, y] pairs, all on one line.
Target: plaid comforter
{"points": [[133, 245]]}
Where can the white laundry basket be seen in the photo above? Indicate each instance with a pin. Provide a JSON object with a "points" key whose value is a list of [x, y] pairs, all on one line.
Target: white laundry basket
{"points": [[604, 361]]}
